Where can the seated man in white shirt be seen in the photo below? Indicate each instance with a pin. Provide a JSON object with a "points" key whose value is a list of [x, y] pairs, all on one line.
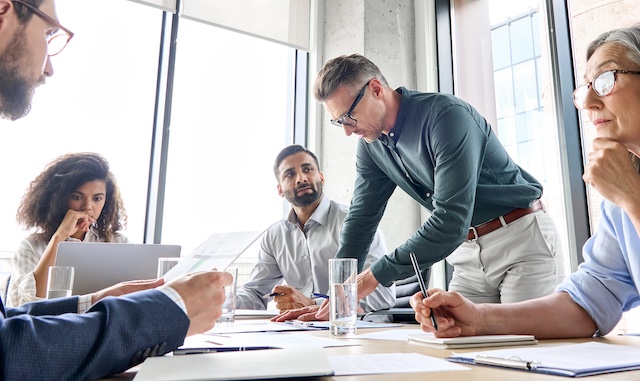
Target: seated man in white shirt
{"points": [[297, 250]]}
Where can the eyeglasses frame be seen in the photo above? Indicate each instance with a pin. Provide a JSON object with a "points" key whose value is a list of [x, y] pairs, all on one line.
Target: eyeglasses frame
{"points": [[338, 122], [50, 20], [590, 85]]}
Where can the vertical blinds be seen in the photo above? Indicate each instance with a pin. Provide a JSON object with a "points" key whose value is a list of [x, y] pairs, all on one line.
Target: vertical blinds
{"points": [[282, 21]]}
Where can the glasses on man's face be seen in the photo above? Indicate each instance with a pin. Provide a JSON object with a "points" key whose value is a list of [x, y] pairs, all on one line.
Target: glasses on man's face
{"points": [[603, 84], [347, 119], [56, 42]]}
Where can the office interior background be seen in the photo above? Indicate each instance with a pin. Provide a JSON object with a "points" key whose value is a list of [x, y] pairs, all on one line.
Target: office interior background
{"points": [[190, 101]]}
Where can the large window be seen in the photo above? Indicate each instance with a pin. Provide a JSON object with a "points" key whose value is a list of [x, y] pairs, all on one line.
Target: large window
{"points": [[503, 39], [100, 99], [231, 107], [229, 121]]}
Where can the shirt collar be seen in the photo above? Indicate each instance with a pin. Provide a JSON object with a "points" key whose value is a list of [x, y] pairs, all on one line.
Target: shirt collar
{"points": [[394, 133], [319, 215]]}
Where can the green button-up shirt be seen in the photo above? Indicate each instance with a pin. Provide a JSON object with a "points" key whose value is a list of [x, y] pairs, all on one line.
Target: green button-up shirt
{"points": [[444, 154]]}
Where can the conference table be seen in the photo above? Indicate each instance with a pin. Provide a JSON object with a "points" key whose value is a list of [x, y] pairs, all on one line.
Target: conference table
{"points": [[477, 373]]}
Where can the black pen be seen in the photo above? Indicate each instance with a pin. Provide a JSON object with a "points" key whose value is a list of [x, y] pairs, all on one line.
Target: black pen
{"points": [[271, 295], [423, 288], [193, 351]]}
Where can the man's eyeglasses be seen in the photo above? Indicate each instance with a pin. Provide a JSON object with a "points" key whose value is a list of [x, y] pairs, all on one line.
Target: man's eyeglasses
{"points": [[603, 84], [347, 119], [57, 41]]}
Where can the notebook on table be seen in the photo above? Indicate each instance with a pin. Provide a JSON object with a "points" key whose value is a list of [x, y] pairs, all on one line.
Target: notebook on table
{"points": [[99, 265], [470, 341]]}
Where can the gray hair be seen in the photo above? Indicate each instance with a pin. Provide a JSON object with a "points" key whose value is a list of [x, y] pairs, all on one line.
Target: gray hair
{"points": [[627, 37], [352, 71]]}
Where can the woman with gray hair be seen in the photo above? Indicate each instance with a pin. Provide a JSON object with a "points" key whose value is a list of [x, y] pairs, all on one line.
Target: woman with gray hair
{"points": [[592, 300]]}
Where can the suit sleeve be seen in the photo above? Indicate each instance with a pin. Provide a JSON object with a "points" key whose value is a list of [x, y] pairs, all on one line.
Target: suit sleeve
{"points": [[114, 335]]}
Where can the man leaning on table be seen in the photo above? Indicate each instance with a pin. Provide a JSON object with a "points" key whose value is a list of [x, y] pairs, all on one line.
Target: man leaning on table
{"points": [[591, 301], [73, 338], [297, 249], [443, 154]]}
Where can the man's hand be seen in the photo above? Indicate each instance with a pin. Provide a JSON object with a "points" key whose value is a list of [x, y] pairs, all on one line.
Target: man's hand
{"points": [[289, 298], [307, 313], [367, 283], [126, 288], [203, 294], [454, 314]]}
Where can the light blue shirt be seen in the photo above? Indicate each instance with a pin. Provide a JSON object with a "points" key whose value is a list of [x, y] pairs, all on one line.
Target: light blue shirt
{"points": [[607, 283]]}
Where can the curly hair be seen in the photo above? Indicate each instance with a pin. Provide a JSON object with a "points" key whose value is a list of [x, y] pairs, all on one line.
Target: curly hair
{"points": [[44, 203]]}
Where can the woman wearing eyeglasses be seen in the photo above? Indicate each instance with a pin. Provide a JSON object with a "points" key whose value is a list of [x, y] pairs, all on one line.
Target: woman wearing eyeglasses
{"points": [[592, 300], [76, 198]]}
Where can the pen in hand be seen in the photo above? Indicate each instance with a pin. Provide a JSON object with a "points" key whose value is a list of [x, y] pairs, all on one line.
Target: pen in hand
{"points": [[316, 295], [423, 287], [271, 295]]}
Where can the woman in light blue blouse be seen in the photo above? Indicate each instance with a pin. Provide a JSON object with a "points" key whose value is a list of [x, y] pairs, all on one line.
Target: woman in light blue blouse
{"points": [[592, 300]]}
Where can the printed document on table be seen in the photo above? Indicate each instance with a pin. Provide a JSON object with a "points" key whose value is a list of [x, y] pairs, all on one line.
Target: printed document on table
{"points": [[217, 252], [380, 363], [242, 365]]}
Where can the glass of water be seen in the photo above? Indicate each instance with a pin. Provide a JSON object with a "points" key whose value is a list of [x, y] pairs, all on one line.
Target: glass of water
{"points": [[229, 305], [60, 282], [343, 296]]}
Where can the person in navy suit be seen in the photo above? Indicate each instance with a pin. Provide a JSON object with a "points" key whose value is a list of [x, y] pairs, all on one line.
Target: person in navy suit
{"points": [[91, 336]]}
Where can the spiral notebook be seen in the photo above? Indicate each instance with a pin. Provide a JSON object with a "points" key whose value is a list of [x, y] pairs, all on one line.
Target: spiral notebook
{"points": [[470, 341]]}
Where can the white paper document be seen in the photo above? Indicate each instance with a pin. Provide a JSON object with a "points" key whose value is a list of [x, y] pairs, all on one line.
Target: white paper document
{"points": [[217, 252], [248, 365], [265, 339], [391, 334], [380, 363]]}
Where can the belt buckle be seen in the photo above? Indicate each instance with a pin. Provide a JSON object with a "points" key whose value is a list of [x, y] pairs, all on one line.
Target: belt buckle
{"points": [[475, 233]]}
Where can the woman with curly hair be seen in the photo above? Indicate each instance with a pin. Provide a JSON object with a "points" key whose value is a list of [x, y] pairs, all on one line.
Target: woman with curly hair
{"points": [[75, 198]]}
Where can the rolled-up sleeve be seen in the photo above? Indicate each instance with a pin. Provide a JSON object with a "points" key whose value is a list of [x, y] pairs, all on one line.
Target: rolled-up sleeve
{"points": [[22, 286], [604, 283]]}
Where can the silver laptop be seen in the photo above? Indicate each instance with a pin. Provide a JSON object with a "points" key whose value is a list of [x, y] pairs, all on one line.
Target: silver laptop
{"points": [[99, 265]]}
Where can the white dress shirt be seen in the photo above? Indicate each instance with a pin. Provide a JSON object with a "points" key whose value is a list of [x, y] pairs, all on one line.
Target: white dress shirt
{"points": [[300, 257], [22, 287]]}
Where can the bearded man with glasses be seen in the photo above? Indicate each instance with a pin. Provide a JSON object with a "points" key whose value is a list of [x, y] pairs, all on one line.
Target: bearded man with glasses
{"points": [[486, 216], [92, 336]]}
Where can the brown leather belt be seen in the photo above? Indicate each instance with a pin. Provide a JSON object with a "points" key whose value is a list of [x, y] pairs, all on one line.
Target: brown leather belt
{"points": [[489, 226]]}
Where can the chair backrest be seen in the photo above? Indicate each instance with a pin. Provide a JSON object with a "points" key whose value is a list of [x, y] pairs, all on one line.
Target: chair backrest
{"points": [[405, 288]]}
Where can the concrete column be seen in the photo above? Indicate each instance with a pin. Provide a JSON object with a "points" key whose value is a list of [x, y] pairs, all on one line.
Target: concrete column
{"points": [[384, 32]]}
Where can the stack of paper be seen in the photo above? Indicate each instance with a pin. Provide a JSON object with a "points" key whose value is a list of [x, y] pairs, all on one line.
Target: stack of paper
{"points": [[471, 341]]}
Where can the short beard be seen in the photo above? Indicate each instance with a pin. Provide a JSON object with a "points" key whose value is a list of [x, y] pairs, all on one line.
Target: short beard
{"points": [[306, 199], [15, 91]]}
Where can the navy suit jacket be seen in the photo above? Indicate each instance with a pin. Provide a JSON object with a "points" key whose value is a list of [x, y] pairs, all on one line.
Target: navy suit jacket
{"points": [[48, 341]]}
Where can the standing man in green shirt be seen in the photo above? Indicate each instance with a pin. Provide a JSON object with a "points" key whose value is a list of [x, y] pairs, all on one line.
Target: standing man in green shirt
{"points": [[486, 216]]}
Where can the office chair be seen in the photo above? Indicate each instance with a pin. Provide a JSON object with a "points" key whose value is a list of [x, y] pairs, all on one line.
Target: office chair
{"points": [[402, 312]]}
